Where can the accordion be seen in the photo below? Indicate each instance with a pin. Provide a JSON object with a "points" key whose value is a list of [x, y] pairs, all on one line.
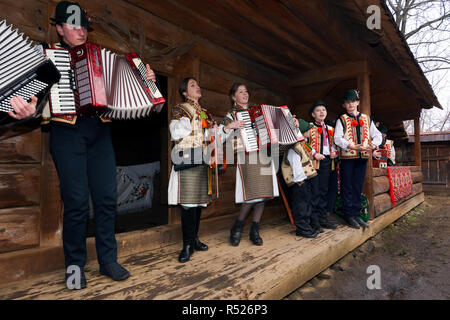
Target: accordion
{"points": [[24, 69], [99, 81], [266, 125], [382, 162]]}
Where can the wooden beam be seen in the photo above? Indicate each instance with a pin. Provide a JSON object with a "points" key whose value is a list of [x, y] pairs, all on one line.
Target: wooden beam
{"points": [[365, 107], [417, 146], [327, 20], [342, 71]]}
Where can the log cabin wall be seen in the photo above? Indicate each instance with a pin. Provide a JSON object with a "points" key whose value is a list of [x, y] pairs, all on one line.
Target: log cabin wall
{"points": [[20, 176], [30, 205], [382, 199]]}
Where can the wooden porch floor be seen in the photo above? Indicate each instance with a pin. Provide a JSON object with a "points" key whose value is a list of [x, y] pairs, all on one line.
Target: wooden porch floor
{"points": [[272, 271]]}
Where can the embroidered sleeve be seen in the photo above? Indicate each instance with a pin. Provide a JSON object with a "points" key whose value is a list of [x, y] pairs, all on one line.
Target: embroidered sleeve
{"points": [[177, 113]]}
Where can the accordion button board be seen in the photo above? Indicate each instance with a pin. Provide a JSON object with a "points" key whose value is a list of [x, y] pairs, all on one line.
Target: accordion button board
{"points": [[24, 69]]}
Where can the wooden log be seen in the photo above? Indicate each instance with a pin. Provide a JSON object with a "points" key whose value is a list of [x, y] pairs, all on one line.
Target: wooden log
{"points": [[220, 81], [51, 202], [379, 172], [383, 203], [417, 176], [22, 148], [19, 185], [30, 16], [19, 228], [417, 146], [346, 70], [380, 185]]}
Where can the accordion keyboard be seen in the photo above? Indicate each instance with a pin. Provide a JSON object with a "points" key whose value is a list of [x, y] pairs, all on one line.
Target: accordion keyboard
{"points": [[62, 100], [248, 133], [24, 69]]}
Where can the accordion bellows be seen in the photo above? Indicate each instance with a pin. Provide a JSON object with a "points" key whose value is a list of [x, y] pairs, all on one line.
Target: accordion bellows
{"points": [[24, 69], [266, 125], [126, 96], [100, 81]]}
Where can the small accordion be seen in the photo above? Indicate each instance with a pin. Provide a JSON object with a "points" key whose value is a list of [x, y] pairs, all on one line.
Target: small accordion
{"points": [[383, 161], [266, 125], [99, 81], [24, 69]]}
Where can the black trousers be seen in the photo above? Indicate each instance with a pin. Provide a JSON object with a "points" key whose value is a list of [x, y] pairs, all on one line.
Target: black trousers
{"points": [[190, 223], [85, 162], [320, 185], [332, 191], [353, 173], [301, 205]]}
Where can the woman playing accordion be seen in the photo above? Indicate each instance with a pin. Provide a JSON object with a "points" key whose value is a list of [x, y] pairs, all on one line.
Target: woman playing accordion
{"points": [[252, 187]]}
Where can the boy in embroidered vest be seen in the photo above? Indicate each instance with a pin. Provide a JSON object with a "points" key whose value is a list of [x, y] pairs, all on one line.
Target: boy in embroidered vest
{"points": [[356, 136], [298, 170], [321, 140]]}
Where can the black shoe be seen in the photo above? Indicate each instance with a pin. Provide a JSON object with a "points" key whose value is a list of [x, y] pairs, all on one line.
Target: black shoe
{"points": [[72, 285], [254, 234], [115, 271], [236, 232], [351, 222], [327, 224], [361, 222], [186, 253], [317, 227], [199, 246], [307, 233]]}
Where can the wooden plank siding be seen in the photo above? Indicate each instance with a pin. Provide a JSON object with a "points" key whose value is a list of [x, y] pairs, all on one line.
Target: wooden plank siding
{"points": [[20, 179], [435, 163]]}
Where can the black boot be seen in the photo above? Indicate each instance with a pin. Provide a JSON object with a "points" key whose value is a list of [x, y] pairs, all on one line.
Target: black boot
{"points": [[235, 233], [186, 252], [254, 234], [325, 223], [351, 222], [361, 222], [199, 246]]}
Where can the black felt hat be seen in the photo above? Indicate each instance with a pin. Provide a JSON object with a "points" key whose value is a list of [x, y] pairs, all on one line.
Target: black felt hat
{"points": [[71, 13], [351, 95], [317, 103]]}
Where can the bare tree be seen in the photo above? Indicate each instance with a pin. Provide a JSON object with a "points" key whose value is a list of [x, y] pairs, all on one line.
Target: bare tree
{"points": [[425, 25]]}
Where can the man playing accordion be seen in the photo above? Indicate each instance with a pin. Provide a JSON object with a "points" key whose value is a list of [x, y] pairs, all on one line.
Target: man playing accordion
{"points": [[84, 157]]}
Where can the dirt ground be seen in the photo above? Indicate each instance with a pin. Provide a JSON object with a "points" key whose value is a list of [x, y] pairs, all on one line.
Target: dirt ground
{"points": [[413, 255]]}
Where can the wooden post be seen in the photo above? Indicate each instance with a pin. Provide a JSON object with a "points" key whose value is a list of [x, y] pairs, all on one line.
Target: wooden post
{"points": [[417, 146], [365, 107]]}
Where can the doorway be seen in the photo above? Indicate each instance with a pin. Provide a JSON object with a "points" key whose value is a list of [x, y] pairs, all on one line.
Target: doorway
{"points": [[141, 149]]}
